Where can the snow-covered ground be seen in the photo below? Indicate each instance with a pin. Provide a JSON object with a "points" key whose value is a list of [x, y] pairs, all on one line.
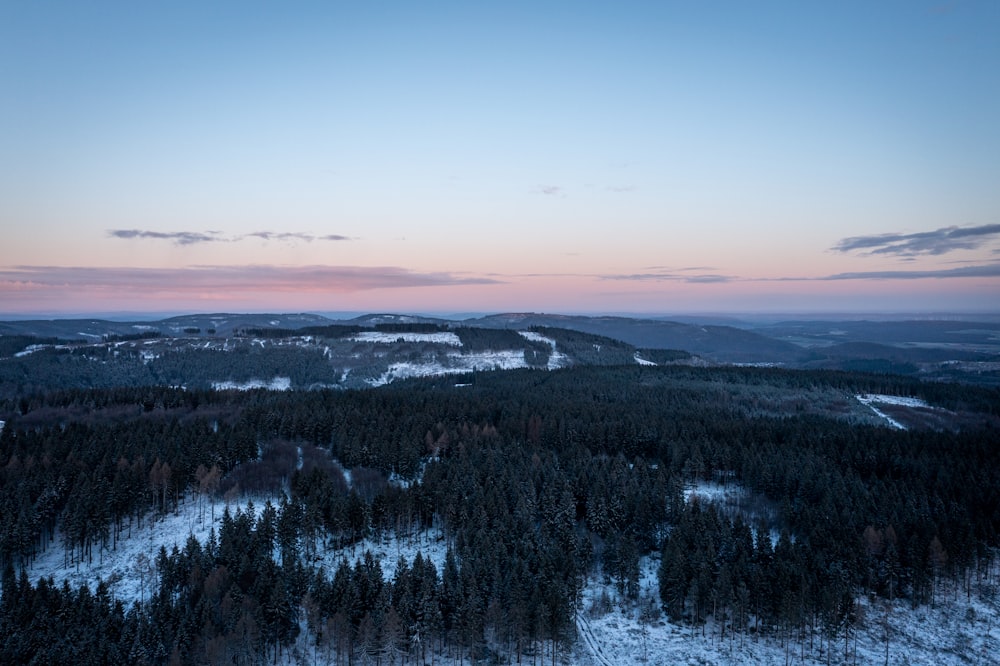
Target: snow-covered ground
{"points": [[952, 632], [275, 384], [556, 358], [457, 363], [610, 630], [871, 399], [30, 349], [641, 361], [129, 567], [444, 338]]}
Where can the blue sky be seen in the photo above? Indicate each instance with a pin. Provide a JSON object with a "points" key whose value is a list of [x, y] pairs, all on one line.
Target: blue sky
{"points": [[646, 157]]}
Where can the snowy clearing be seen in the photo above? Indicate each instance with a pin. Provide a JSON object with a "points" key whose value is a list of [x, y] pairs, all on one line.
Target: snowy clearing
{"points": [[443, 338], [641, 361], [30, 349], [129, 568], [871, 399], [610, 630], [276, 384], [457, 364], [556, 359], [952, 632]]}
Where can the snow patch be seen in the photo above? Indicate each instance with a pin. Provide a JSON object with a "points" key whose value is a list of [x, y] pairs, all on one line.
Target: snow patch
{"points": [[870, 399], [641, 361], [556, 359], [457, 364], [443, 338], [130, 567], [276, 384], [30, 349], [951, 632]]}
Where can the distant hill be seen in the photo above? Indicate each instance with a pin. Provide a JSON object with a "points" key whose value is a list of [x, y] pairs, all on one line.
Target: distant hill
{"points": [[945, 350], [720, 343]]}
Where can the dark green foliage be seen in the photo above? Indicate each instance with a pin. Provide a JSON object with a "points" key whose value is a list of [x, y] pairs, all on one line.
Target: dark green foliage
{"points": [[538, 481], [664, 356], [13, 344], [144, 335], [588, 348], [199, 368], [410, 327]]}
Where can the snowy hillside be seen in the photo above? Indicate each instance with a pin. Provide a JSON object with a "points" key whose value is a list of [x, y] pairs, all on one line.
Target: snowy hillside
{"points": [[959, 629]]}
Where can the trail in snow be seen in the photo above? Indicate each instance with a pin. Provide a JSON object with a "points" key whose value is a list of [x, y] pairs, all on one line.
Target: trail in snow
{"points": [[584, 630]]}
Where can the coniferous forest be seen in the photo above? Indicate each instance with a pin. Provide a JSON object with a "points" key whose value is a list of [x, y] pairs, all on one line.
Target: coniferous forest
{"points": [[534, 482]]}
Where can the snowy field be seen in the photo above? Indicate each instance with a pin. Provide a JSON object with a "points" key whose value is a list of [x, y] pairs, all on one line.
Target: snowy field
{"points": [[129, 568], [457, 364], [952, 632], [275, 384], [871, 399], [610, 630], [556, 358], [442, 338], [641, 361]]}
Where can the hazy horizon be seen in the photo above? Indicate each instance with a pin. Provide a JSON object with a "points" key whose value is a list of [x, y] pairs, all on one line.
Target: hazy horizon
{"points": [[773, 157], [722, 317]]}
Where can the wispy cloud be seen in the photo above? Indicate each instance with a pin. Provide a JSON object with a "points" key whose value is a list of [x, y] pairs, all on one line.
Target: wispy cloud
{"points": [[178, 237], [551, 190], [701, 278], [937, 242], [981, 271], [197, 280], [192, 237]]}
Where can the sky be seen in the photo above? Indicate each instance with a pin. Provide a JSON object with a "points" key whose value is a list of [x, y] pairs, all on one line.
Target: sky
{"points": [[578, 157]]}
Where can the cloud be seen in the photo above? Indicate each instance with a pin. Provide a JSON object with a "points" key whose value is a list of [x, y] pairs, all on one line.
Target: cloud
{"points": [[192, 237], [550, 190], [704, 278], [196, 281], [980, 271], [620, 188], [939, 241], [178, 237]]}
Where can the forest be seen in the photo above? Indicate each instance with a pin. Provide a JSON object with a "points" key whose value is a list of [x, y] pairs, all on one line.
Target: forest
{"points": [[536, 481]]}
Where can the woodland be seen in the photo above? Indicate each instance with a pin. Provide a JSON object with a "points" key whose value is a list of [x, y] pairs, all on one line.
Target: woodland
{"points": [[536, 480]]}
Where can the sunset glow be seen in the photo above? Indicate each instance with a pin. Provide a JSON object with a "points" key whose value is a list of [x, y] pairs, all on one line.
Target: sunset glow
{"points": [[640, 157]]}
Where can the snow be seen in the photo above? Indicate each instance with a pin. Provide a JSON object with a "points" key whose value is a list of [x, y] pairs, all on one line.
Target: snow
{"points": [[556, 359], [871, 399], [129, 567], [276, 384], [642, 361], [457, 364], [955, 630], [537, 337], [952, 632], [387, 549], [30, 349], [443, 338], [714, 493]]}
